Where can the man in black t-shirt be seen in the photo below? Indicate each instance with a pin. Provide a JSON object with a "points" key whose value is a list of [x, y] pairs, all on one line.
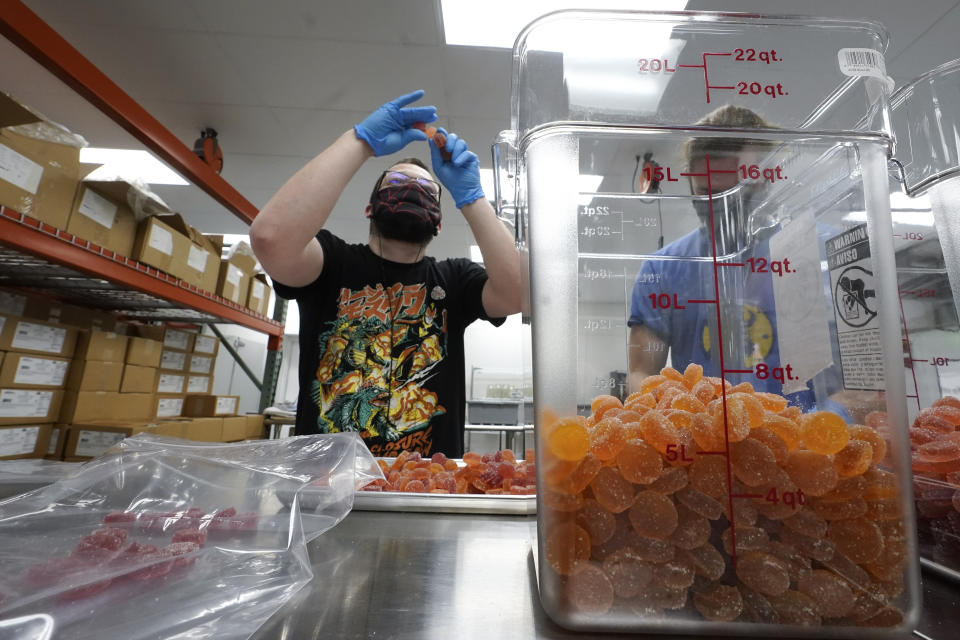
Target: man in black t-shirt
{"points": [[381, 324]]}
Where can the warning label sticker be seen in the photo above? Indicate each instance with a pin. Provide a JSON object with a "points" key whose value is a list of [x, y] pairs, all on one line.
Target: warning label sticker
{"points": [[855, 308]]}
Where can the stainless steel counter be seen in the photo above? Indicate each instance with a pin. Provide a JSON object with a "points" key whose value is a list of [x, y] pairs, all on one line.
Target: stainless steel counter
{"points": [[381, 575]]}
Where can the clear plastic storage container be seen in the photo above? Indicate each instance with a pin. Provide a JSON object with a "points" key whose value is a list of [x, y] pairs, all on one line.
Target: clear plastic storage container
{"points": [[704, 199], [926, 232]]}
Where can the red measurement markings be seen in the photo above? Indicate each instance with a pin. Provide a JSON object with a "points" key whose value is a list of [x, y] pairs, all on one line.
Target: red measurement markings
{"points": [[723, 387], [706, 77], [906, 333]]}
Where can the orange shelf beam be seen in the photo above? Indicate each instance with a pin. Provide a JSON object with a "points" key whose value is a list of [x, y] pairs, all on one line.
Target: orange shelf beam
{"points": [[31, 236], [37, 39]]}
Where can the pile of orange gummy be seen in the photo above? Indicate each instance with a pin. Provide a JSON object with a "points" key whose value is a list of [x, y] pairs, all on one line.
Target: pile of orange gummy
{"points": [[490, 473], [637, 498]]}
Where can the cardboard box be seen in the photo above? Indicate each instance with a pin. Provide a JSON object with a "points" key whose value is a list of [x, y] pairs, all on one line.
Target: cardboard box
{"points": [[210, 405], [37, 177], [98, 406], [104, 346], [167, 242], [206, 345], [236, 271], [144, 352], [173, 360], [199, 384], [53, 311], [23, 370], [234, 428], [102, 215], [173, 339], [85, 442], [173, 428], [168, 406], [170, 382], [93, 375], [24, 441], [204, 430], [58, 441], [254, 429], [137, 379], [258, 296], [31, 336], [200, 364], [155, 243], [29, 406]]}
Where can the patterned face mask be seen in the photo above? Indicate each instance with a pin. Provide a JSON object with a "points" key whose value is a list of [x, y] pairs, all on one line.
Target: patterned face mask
{"points": [[406, 212]]}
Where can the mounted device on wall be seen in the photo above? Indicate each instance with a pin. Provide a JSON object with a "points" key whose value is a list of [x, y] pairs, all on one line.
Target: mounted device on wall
{"points": [[208, 149]]}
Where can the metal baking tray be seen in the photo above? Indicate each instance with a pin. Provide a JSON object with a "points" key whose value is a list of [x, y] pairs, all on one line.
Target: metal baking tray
{"points": [[444, 502]]}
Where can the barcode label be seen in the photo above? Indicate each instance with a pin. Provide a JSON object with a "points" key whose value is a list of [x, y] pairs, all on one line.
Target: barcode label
{"points": [[862, 62]]}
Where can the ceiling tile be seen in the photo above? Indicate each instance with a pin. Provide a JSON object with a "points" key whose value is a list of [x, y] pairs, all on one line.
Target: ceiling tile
{"points": [[408, 22], [333, 75]]}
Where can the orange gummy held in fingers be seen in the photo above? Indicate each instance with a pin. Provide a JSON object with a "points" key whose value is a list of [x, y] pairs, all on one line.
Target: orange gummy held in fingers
{"points": [[568, 440], [824, 432]]}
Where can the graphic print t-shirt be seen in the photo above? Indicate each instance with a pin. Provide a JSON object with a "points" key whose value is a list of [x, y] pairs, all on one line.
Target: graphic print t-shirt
{"points": [[381, 348]]}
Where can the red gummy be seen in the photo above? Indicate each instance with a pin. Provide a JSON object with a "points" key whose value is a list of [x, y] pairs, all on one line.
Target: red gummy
{"points": [[438, 457], [195, 536], [157, 521], [86, 591], [45, 574], [120, 517], [177, 549], [101, 545], [159, 564]]}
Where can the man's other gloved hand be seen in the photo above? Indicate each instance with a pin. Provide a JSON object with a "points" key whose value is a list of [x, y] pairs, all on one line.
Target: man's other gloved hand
{"points": [[387, 130], [461, 174]]}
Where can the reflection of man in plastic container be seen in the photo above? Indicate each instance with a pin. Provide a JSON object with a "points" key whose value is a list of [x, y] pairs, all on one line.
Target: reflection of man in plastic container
{"points": [[688, 330]]}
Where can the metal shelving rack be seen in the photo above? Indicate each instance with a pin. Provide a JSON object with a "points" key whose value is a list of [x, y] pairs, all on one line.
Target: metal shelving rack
{"points": [[37, 257]]}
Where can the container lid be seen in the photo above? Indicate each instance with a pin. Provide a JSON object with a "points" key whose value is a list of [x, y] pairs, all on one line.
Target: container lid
{"points": [[639, 68], [926, 117]]}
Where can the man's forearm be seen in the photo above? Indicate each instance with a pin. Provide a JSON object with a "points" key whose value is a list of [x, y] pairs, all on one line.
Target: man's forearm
{"points": [[301, 207], [500, 258]]}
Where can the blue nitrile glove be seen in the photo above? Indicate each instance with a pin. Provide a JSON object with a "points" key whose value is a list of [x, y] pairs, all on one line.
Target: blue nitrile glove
{"points": [[387, 130], [461, 173]]}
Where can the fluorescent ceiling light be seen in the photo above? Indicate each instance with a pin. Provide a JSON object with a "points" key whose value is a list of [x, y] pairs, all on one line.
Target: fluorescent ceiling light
{"points": [[475, 254], [496, 23], [131, 165]]}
